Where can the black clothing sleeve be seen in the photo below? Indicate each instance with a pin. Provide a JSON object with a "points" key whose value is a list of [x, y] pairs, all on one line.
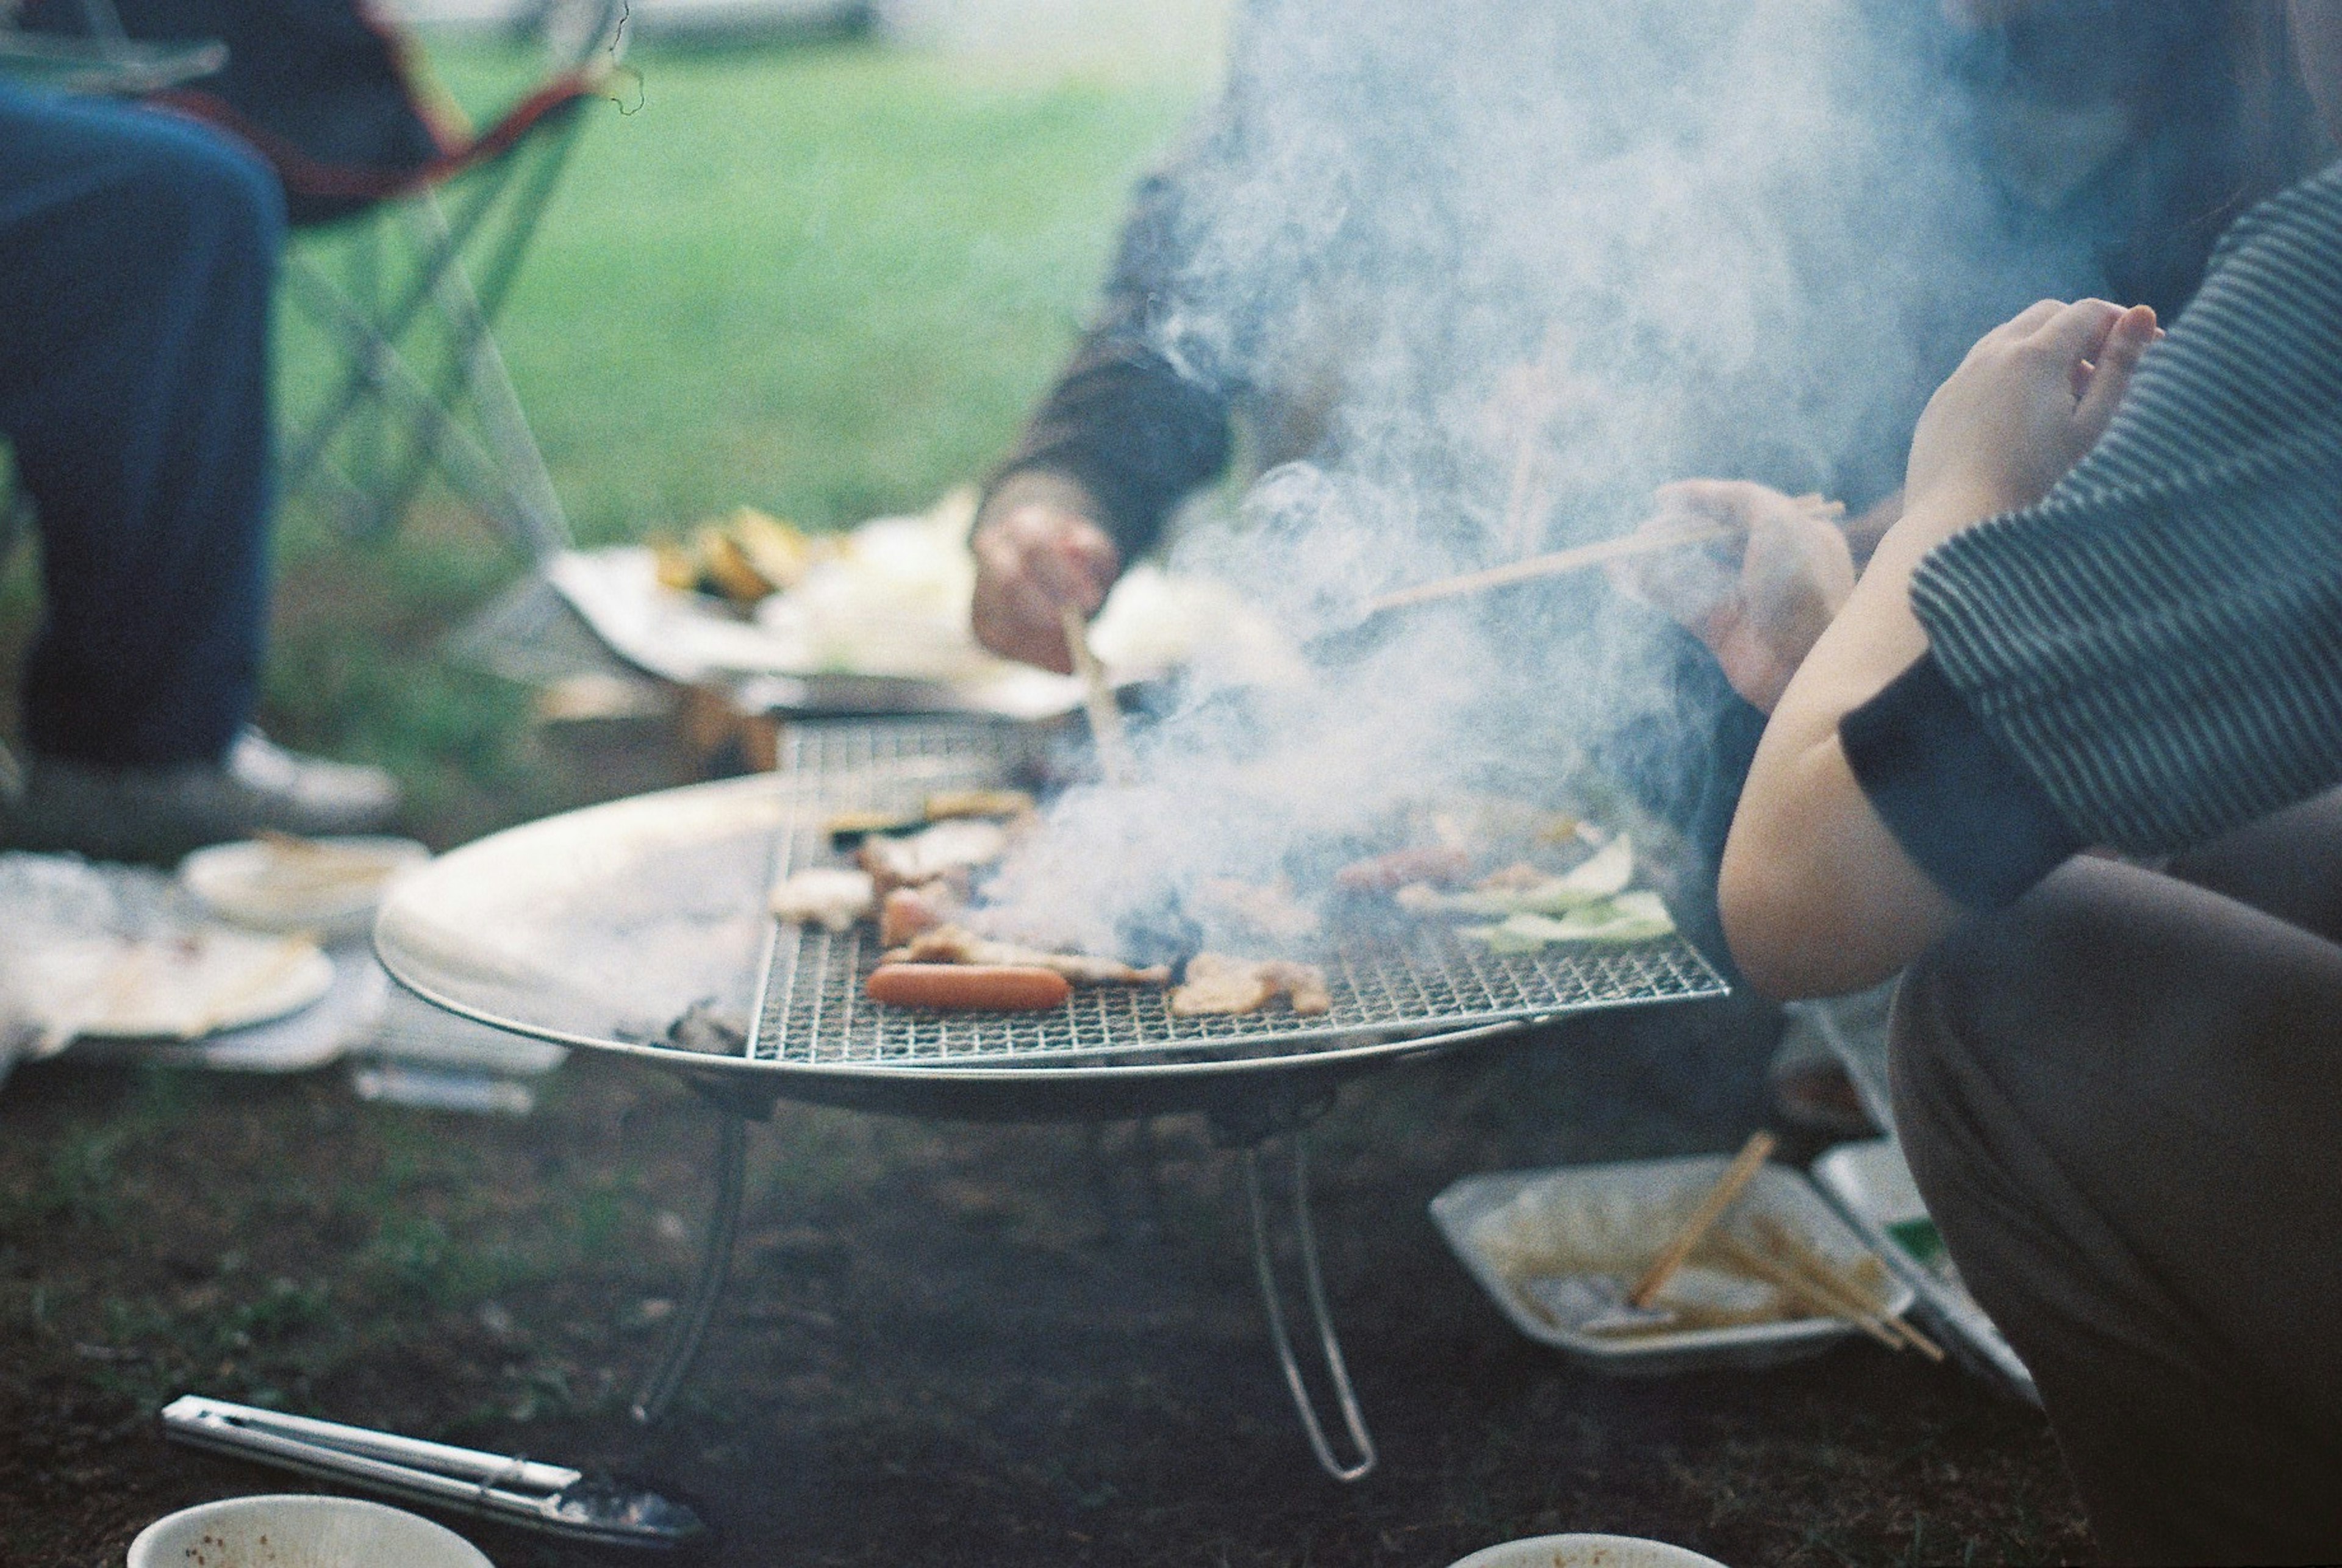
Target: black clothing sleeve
{"points": [[1979, 826], [1138, 435], [1138, 431]]}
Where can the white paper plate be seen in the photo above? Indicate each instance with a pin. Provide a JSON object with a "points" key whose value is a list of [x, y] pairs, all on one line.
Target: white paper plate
{"points": [[329, 887], [178, 987]]}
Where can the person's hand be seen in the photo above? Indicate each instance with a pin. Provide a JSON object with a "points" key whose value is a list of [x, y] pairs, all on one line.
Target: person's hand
{"points": [[1039, 551], [2031, 398], [1759, 600]]}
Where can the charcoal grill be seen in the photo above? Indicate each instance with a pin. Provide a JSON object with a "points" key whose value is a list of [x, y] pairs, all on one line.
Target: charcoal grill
{"points": [[1110, 1051]]}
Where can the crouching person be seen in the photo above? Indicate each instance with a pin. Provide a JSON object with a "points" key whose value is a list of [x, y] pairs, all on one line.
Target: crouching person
{"points": [[2117, 1074]]}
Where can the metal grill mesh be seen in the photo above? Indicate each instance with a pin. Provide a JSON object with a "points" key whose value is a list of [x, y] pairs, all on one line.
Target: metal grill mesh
{"points": [[1423, 982]]}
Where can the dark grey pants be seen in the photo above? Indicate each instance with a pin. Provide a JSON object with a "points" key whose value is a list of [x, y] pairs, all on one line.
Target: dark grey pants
{"points": [[2122, 1097]]}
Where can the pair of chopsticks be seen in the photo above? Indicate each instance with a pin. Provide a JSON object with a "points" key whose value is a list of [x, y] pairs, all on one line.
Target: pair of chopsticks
{"points": [[1097, 696], [1786, 1262], [1561, 563]]}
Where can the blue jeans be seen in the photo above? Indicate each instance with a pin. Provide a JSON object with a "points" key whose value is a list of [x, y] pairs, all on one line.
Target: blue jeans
{"points": [[138, 255]]}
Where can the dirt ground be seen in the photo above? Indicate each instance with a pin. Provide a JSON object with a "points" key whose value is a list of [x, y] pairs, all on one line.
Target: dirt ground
{"points": [[942, 1344]]}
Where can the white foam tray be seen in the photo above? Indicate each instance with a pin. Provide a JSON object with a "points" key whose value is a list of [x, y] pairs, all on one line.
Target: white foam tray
{"points": [[1611, 1219]]}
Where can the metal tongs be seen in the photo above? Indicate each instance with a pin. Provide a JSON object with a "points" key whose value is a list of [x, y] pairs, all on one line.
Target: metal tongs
{"points": [[510, 1490]]}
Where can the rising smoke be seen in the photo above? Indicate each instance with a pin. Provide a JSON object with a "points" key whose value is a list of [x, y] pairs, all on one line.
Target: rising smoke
{"points": [[1491, 272]]}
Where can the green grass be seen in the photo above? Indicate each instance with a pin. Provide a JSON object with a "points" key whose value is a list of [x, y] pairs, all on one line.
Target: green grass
{"points": [[826, 280]]}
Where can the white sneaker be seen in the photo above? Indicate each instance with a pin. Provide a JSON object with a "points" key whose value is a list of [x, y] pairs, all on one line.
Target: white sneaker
{"points": [[161, 813]]}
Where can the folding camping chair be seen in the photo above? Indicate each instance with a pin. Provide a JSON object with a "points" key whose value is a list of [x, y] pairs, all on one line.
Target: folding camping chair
{"points": [[425, 225]]}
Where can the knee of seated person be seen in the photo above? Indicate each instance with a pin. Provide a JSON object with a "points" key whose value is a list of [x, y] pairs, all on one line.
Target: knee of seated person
{"points": [[197, 187], [1999, 978]]}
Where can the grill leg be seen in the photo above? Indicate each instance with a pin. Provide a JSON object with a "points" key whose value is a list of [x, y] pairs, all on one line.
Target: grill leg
{"points": [[1305, 1244], [715, 1263]]}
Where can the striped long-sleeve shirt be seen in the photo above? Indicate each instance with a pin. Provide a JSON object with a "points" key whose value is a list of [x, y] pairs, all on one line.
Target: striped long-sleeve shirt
{"points": [[2153, 654]]}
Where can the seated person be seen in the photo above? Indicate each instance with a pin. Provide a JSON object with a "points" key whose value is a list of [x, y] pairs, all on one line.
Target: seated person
{"points": [[2109, 158], [2117, 1074], [138, 251]]}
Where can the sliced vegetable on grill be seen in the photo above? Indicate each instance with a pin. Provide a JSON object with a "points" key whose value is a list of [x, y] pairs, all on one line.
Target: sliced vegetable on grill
{"points": [[1602, 876], [1638, 916], [944, 805]]}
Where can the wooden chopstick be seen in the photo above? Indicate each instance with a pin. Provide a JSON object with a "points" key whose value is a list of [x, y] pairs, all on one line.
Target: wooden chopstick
{"points": [[1774, 1272], [1737, 1177], [1561, 563], [1793, 1249], [1106, 713]]}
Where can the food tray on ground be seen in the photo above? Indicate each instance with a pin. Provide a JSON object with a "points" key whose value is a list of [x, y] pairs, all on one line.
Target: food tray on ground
{"points": [[1872, 1183], [876, 621], [1514, 1229]]}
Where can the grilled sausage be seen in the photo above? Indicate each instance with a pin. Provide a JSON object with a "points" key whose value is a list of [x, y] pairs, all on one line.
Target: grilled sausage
{"points": [[984, 987]]}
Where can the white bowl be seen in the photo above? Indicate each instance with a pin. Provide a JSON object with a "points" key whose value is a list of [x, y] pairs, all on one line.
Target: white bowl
{"points": [[1582, 1551], [328, 886], [299, 1531]]}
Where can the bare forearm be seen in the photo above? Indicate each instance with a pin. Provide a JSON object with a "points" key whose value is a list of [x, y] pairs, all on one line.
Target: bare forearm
{"points": [[1817, 896], [1864, 532]]}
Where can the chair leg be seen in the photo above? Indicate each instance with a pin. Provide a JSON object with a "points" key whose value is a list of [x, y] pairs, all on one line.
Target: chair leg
{"points": [[502, 266], [369, 437], [470, 467], [529, 484], [304, 452]]}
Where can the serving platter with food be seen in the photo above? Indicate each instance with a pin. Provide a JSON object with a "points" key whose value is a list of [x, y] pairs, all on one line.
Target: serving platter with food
{"points": [[97, 952], [874, 619]]}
